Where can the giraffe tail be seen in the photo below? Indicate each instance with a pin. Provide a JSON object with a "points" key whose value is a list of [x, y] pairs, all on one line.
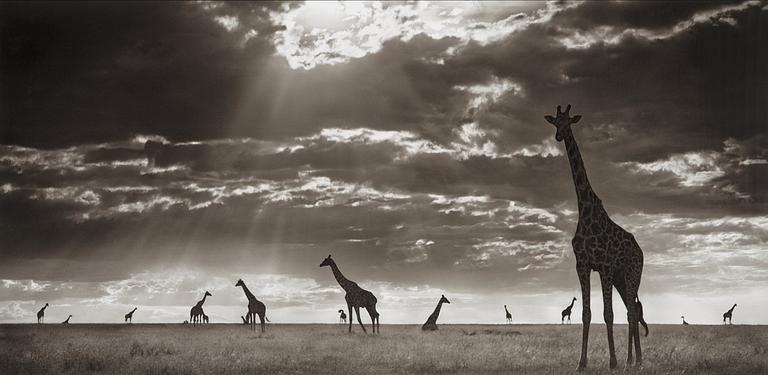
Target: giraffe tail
{"points": [[267, 319], [640, 316]]}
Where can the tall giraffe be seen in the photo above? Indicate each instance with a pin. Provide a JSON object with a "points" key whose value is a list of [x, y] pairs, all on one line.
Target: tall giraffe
{"points": [[508, 314], [356, 297], [196, 313], [729, 314], [567, 312], [431, 324], [603, 246], [255, 307], [67, 321], [129, 316], [41, 314]]}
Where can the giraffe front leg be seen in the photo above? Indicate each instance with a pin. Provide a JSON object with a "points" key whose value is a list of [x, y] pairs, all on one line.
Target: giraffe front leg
{"points": [[351, 317], [586, 313], [607, 284]]}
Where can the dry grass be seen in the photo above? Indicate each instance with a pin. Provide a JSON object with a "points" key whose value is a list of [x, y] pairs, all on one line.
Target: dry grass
{"points": [[314, 349]]}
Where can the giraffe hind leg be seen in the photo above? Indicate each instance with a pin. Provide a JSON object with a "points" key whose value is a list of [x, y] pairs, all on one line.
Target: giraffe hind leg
{"points": [[360, 320]]}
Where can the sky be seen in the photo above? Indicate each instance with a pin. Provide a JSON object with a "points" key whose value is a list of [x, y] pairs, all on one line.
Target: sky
{"points": [[151, 152]]}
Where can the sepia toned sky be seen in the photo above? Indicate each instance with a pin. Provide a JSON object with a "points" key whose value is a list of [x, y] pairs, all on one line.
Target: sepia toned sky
{"points": [[150, 152]]}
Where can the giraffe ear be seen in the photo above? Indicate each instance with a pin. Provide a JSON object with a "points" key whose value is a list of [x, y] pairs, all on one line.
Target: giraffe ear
{"points": [[550, 120], [329, 256], [575, 119]]}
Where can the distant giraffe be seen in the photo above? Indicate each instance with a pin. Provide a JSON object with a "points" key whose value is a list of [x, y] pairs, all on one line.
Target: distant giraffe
{"points": [[729, 314], [603, 246], [205, 319], [129, 316], [342, 317], [509, 315], [41, 314], [567, 312], [67, 321], [356, 297], [255, 307], [684, 322], [197, 310], [431, 324]]}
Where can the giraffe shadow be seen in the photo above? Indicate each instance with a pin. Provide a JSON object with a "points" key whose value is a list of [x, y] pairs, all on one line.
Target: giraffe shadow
{"points": [[490, 332]]}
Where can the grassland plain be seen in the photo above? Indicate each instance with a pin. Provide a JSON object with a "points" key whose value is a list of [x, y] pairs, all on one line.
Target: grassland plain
{"points": [[400, 349]]}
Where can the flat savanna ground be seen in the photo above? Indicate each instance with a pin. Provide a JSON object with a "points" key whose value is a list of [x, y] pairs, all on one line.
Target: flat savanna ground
{"points": [[400, 349]]}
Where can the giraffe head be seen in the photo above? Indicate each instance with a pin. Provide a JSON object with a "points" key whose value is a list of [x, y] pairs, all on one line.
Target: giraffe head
{"points": [[240, 282], [444, 300], [208, 294], [327, 261], [341, 311], [46, 304], [562, 121]]}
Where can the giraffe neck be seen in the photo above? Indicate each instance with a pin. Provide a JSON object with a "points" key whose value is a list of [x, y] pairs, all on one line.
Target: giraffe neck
{"points": [[248, 293], [571, 305], [203, 300], [437, 309], [345, 283], [133, 311], [584, 193]]}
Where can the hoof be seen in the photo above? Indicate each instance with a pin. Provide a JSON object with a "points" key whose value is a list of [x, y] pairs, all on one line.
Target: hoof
{"points": [[582, 367], [612, 364]]}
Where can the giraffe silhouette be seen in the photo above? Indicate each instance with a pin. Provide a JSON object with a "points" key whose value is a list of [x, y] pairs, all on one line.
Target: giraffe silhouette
{"points": [[342, 317], [431, 324], [67, 321], [603, 246], [567, 312], [41, 314], [356, 297], [684, 322], [729, 314], [129, 316], [255, 307], [508, 314], [197, 310]]}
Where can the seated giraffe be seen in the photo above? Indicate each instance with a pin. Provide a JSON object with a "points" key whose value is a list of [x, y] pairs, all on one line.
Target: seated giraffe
{"points": [[431, 324]]}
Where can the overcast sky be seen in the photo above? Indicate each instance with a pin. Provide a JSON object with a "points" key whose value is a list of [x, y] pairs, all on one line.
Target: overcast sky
{"points": [[150, 152]]}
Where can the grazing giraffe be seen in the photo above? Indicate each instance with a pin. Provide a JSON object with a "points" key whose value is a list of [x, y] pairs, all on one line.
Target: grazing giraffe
{"points": [[129, 316], [255, 307], [603, 246], [356, 297], [41, 314], [567, 312], [729, 315], [684, 322], [508, 314], [342, 317], [197, 310], [67, 321], [431, 324]]}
